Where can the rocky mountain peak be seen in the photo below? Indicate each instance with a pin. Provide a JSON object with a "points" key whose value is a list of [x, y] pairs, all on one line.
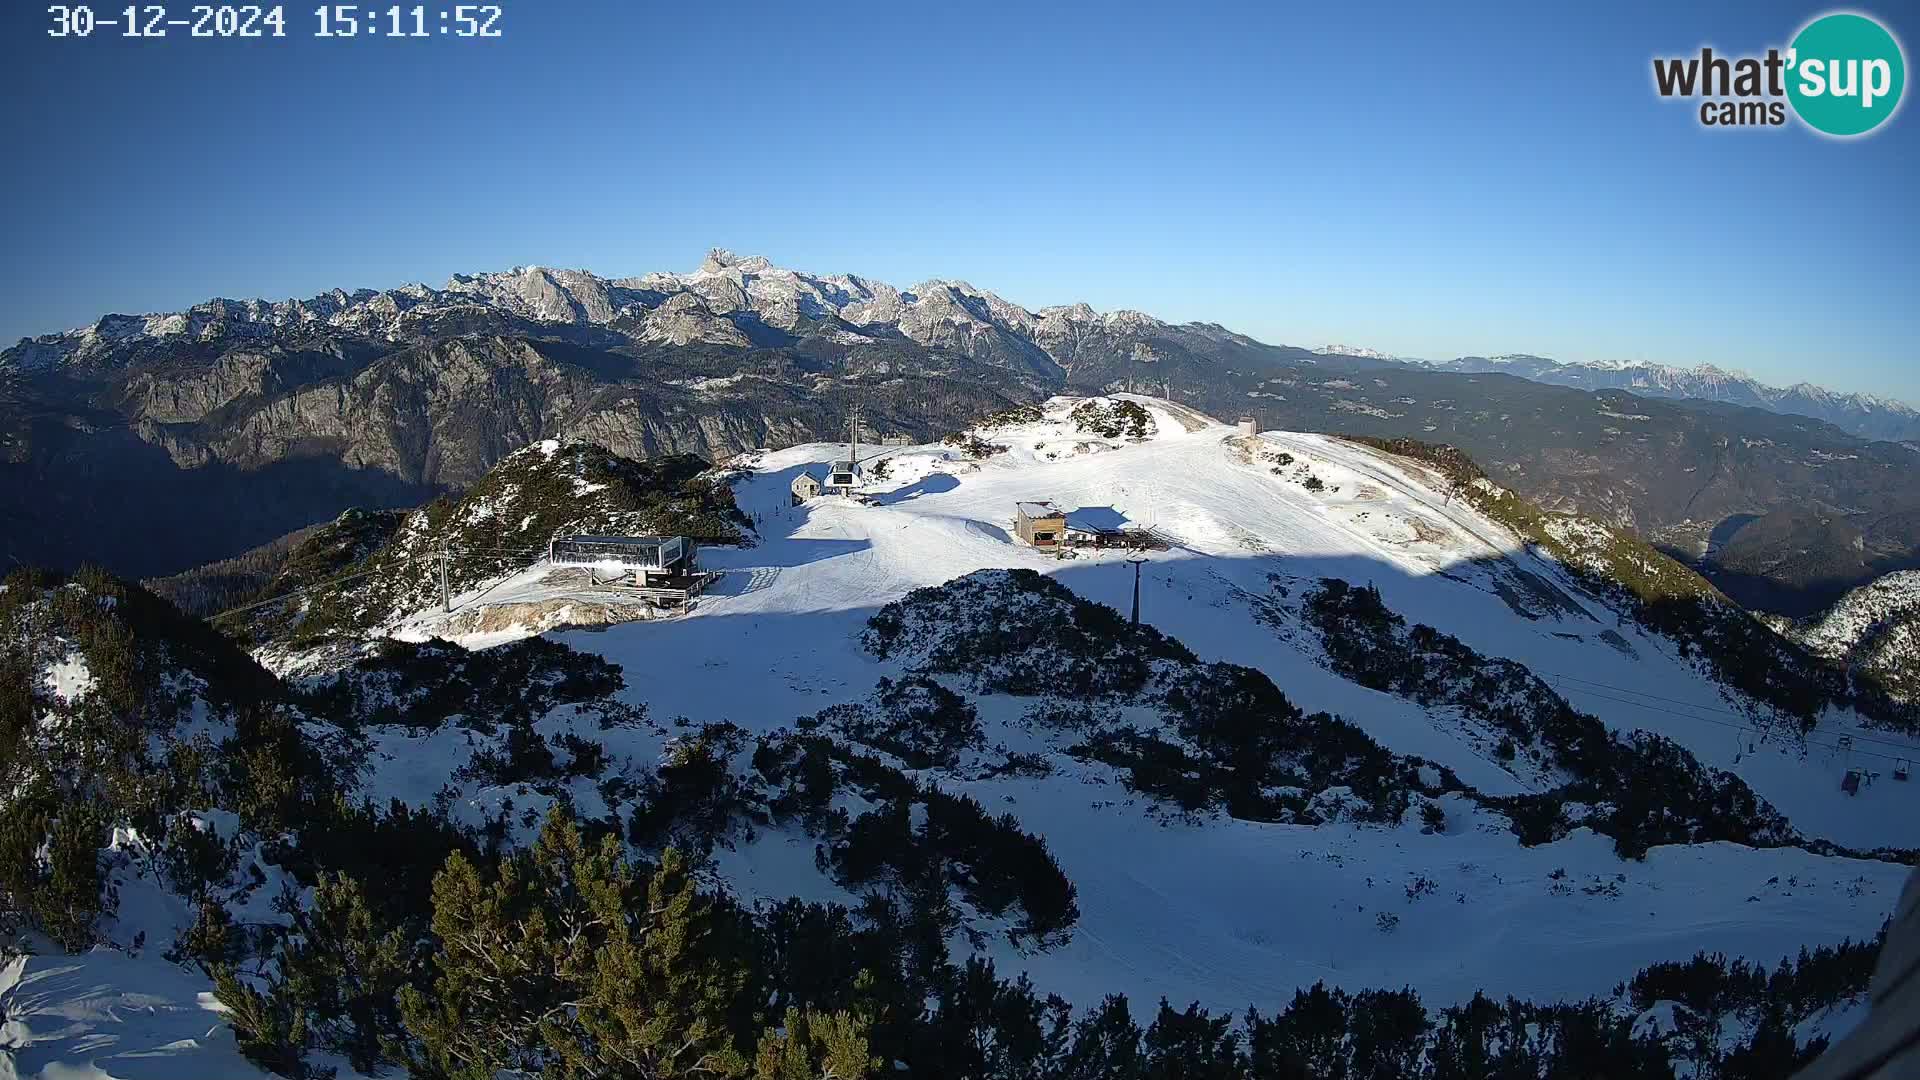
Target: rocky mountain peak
{"points": [[720, 260]]}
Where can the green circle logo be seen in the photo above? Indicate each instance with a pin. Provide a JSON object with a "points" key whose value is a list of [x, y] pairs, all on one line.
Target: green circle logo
{"points": [[1845, 74]]}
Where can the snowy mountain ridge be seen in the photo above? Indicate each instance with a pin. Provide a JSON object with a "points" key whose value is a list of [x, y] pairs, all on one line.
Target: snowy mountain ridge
{"points": [[1874, 629], [1868, 415], [732, 300], [1355, 350], [718, 303]]}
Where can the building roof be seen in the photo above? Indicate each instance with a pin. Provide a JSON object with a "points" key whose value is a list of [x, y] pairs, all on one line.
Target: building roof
{"points": [[1096, 519], [842, 466], [628, 541], [808, 476], [1039, 509]]}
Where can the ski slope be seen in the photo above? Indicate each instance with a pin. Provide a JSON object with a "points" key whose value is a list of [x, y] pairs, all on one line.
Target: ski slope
{"points": [[1227, 912], [1223, 912], [822, 568]]}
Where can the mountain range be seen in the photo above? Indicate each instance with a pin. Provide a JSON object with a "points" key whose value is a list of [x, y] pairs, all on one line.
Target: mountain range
{"points": [[1867, 415], [384, 398]]}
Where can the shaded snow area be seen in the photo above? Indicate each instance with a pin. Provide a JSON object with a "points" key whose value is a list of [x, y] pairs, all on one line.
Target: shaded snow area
{"points": [[106, 1014], [121, 1010], [1229, 912], [1201, 907]]}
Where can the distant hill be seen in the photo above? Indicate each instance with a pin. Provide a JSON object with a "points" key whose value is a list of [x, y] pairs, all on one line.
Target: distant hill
{"points": [[1867, 415], [1874, 630]]}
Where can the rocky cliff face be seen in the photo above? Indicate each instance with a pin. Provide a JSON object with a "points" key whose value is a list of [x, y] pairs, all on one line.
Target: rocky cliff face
{"points": [[222, 426], [151, 466]]}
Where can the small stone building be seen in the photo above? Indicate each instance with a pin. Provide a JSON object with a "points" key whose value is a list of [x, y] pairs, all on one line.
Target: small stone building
{"points": [[1040, 524], [805, 486]]}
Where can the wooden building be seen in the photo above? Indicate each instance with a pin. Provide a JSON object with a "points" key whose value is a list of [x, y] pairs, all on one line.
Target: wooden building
{"points": [[1040, 524]]}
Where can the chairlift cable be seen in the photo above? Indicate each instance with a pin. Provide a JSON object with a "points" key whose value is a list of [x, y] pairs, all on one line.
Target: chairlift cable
{"points": [[1704, 708], [1709, 720]]}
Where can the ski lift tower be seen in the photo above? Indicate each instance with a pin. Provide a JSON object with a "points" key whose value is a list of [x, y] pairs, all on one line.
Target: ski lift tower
{"points": [[1136, 560], [843, 475]]}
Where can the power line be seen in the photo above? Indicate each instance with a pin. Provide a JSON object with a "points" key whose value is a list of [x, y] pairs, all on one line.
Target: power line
{"points": [[293, 593], [1738, 727], [391, 562], [1705, 708], [1639, 693]]}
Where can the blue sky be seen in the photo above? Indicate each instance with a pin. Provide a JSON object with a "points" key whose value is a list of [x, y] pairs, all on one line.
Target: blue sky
{"points": [[1428, 179]]}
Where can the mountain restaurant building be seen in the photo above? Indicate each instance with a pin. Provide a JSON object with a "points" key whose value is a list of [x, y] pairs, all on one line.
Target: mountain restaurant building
{"points": [[1040, 524]]}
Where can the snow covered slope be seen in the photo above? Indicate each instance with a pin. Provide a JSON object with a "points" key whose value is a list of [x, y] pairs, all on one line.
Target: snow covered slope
{"points": [[1226, 911], [1876, 629], [1191, 906], [1239, 521]]}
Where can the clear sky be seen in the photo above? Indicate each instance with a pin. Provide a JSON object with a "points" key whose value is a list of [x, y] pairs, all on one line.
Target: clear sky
{"points": [[1429, 179]]}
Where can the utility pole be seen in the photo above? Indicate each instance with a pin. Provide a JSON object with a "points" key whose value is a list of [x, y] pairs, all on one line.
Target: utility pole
{"points": [[1136, 589]]}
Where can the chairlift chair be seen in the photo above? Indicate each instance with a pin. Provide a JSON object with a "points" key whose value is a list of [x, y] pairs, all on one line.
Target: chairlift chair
{"points": [[1902, 768]]}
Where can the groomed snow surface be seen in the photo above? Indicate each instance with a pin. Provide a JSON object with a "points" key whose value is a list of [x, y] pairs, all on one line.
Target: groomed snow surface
{"points": [[1222, 912]]}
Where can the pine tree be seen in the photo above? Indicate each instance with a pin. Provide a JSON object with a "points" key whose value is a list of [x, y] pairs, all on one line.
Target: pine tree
{"points": [[347, 970], [1307, 1040], [570, 964], [1106, 1044], [665, 986], [270, 1029], [815, 1046], [1192, 1045]]}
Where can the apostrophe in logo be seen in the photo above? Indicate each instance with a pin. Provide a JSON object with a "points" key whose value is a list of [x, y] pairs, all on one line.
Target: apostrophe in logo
{"points": [[1843, 75]]}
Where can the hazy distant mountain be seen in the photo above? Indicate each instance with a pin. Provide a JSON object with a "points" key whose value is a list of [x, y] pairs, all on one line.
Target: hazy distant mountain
{"points": [[1355, 350], [1865, 415]]}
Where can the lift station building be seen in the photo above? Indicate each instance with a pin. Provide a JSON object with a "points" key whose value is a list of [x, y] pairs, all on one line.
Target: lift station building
{"points": [[661, 567]]}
